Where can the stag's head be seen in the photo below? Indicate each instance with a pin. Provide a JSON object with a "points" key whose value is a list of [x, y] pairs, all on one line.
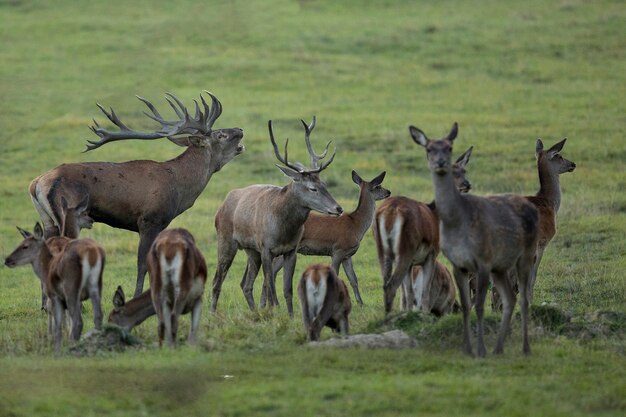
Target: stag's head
{"points": [[28, 249], [552, 159], [192, 131], [438, 152], [307, 183]]}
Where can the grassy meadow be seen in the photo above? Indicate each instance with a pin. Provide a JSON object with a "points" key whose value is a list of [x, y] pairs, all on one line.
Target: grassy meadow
{"points": [[507, 72]]}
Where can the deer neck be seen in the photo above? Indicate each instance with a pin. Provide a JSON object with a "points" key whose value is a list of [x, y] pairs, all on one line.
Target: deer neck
{"points": [[137, 310], [193, 170], [363, 215], [549, 186], [448, 199], [294, 209], [41, 265]]}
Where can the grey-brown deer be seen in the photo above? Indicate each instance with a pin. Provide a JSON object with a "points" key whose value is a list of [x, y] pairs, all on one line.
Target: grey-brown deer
{"points": [[442, 296], [178, 273], [483, 235], [406, 233], [325, 301], [131, 313], [70, 270], [550, 165], [142, 196], [267, 221], [340, 237]]}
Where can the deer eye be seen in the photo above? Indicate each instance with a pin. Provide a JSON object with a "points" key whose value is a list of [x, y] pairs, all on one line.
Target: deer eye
{"points": [[313, 189], [25, 247]]}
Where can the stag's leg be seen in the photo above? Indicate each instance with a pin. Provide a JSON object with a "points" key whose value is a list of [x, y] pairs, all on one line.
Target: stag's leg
{"points": [[147, 234], [226, 252], [462, 284], [288, 271], [268, 277], [354, 282], [507, 296], [524, 266], [390, 287], [195, 320], [481, 292], [252, 270]]}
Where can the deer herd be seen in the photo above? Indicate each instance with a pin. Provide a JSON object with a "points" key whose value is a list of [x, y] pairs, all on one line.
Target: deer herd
{"points": [[496, 239]]}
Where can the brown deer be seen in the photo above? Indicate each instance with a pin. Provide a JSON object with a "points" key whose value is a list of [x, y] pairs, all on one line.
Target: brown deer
{"points": [[131, 313], [340, 237], [484, 235], [142, 196], [325, 301], [442, 298], [550, 165], [406, 233], [71, 272], [178, 273], [267, 221]]}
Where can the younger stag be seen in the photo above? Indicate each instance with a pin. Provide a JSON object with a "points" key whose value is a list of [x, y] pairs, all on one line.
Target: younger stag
{"points": [[483, 235], [178, 273], [267, 221], [71, 272], [325, 301]]}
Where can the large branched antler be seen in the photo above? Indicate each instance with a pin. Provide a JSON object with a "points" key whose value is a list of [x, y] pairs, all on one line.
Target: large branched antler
{"points": [[200, 123], [298, 167]]}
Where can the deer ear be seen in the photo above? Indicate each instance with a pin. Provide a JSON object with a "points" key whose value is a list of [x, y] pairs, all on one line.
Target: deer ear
{"points": [[538, 147], [82, 206], [356, 178], [464, 159], [63, 203], [118, 298], [294, 175], [418, 136], [198, 141], [379, 179], [556, 148], [38, 231], [453, 132], [25, 234]]}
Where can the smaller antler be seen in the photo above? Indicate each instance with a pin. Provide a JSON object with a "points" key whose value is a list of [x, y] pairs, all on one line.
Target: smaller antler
{"points": [[296, 167], [314, 157]]}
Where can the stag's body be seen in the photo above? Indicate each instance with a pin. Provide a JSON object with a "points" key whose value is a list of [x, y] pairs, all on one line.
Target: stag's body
{"points": [[131, 313], [178, 273], [267, 221], [70, 270], [325, 301], [484, 235], [442, 297], [142, 196], [407, 234], [340, 237]]}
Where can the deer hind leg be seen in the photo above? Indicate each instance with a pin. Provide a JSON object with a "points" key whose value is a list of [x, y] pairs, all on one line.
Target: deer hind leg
{"points": [[524, 266], [269, 284], [481, 293], [502, 283], [288, 271], [165, 322], [462, 284], [49, 225], [390, 287], [195, 320], [252, 270], [74, 307], [354, 283], [534, 270], [226, 252], [56, 312]]}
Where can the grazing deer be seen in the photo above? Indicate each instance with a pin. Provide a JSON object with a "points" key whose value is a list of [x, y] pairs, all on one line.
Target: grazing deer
{"points": [[340, 237], [484, 235], [325, 301], [407, 234], [131, 313], [142, 196], [178, 273], [442, 298], [71, 272], [267, 221], [550, 165]]}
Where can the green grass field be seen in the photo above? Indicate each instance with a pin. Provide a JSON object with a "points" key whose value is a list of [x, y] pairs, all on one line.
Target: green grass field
{"points": [[508, 72]]}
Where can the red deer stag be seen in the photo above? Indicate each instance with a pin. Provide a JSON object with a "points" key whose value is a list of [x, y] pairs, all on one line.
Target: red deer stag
{"points": [[442, 298], [407, 234], [325, 301], [340, 237], [142, 196], [484, 235], [550, 165], [131, 313], [177, 276], [71, 272], [267, 221]]}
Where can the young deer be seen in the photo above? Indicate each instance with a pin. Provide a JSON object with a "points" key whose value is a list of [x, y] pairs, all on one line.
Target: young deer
{"points": [[407, 234], [178, 273], [485, 235], [550, 165], [340, 237], [325, 301], [142, 196], [267, 221], [131, 313], [442, 299], [71, 272]]}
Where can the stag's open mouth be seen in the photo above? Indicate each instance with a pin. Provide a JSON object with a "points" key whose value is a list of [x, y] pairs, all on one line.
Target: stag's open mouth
{"points": [[240, 149]]}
